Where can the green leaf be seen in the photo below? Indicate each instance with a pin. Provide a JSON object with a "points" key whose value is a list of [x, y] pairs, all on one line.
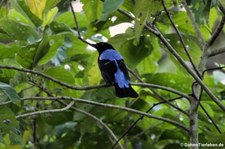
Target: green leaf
{"points": [[149, 64], [109, 7], [25, 56], [42, 49], [36, 7], [9, 92], [55, 42], [61, 74], [142, 11], [132, 52], [92, 9], [8, 51], [50, 4], [67, 18], [22, 8], [48, 18], [9, 126], [19, 31], [176, 81]]}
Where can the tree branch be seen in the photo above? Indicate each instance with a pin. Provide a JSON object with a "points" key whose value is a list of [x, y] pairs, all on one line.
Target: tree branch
{"points": [[88, 87], [182, 62], [112, 107], [200, 38], [141, 117], [111, 135], [216, 33], [78, 29], [157, 94], [45, 111], [190, 71], [215, 52], [181, 39], [110, 132]]}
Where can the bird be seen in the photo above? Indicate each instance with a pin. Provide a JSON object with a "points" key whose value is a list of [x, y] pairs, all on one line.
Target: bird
{"points": [[113, 70]]}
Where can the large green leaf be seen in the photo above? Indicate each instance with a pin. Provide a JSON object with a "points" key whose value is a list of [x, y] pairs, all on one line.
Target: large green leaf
{"points": [[61, 74], [36, 7], [9, 126], [9, 92], [142, 11], [25, 56], [19, 31], [132, 51], [67, 18], [176, 81], [109, 7], [22, 8], [50, 4], [8, 51], [54, 44], [92, 9]]}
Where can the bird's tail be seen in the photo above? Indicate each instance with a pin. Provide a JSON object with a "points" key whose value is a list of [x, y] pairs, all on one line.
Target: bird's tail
{"points": [[125, 92]]}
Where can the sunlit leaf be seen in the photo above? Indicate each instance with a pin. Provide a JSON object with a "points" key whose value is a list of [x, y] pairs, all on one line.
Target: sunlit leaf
{"points": [[36, 7]]}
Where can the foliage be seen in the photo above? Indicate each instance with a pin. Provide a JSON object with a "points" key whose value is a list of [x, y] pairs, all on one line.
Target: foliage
{"points": [[40, 37]]}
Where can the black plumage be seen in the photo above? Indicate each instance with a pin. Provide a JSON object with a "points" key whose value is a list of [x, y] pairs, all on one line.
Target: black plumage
{"points": [[114, 70]]}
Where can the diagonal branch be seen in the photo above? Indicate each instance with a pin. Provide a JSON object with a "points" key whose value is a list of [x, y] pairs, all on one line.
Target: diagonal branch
{"points": [[200, 38], [181, 39], [99, 121], [189, 70], [157, 33], [216, 33], [77, 26]]}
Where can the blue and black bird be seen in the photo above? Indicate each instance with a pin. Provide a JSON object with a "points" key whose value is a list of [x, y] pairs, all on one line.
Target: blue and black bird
{"points": [[114, 70]]}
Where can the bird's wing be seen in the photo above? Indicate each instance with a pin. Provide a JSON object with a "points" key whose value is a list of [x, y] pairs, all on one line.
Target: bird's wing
{"points": [[107, 68], [123, 68]]}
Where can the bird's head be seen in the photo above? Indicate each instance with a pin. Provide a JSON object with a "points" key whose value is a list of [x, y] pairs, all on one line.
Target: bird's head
{"points": [[102, 46]]}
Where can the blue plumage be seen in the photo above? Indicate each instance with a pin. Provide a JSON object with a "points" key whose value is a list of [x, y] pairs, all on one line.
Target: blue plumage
{"points": [[113, 70], [110, 54], [120, 78]]}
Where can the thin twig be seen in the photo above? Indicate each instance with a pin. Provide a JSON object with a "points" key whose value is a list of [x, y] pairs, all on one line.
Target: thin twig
{"points": [[160, 87], [77, 26], [216, 32], [215, 52], [5, 103], [45, 111], [101, 123], [222, 8], [53, 79]]}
